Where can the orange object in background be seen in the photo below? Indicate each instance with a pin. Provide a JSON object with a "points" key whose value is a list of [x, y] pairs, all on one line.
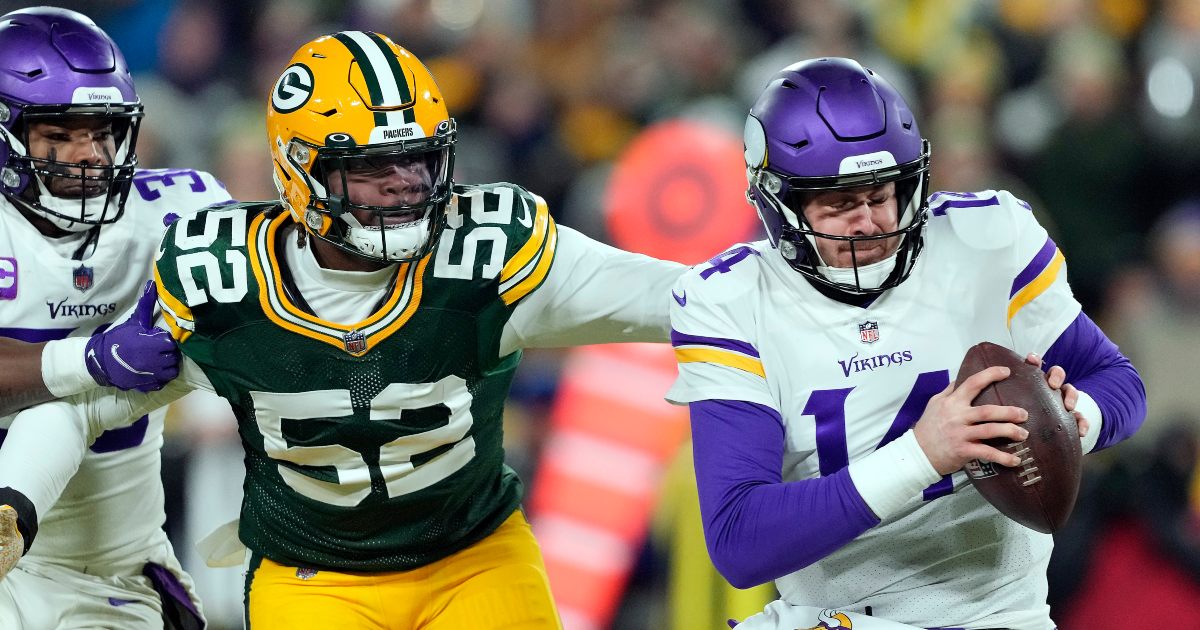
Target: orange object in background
{"points": [[676, 193], [679, 193]]}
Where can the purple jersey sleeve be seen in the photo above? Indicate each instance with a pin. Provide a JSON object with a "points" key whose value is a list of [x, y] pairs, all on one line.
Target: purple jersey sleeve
{"points": [[1095, 365], [757, 526]]}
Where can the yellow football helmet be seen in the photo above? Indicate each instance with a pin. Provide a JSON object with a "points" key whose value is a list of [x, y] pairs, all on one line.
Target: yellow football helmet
{"points": [[350, 105]]}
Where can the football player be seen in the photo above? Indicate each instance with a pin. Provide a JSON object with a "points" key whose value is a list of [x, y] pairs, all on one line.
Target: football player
{"points": [[79, 228], [818, 366], [365, 330]]}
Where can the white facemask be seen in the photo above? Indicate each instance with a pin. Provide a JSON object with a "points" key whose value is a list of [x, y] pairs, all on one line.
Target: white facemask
{"points": [[869, 276]]}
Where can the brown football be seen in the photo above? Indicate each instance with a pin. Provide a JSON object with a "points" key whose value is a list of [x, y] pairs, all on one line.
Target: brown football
{"points": [[1041, 491]]}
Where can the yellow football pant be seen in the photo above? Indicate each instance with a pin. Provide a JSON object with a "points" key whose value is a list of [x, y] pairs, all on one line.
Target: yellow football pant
{"points": [[498, 583]]}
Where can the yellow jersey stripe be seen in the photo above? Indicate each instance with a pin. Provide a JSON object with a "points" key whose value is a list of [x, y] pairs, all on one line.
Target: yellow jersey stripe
{"points": [[720, 357], [413, 303], [178, 333], [292, 308], [1037, 287], [534, 279], [528, 251], [264, 299], [272, 298], [169, 302]]}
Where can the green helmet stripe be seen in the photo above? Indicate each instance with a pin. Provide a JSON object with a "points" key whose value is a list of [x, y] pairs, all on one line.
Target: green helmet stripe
{"points": [[396, 71], [368, 69]]}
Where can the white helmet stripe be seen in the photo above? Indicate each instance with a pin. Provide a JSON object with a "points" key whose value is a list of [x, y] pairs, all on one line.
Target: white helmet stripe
{"points": [[380, 67]]}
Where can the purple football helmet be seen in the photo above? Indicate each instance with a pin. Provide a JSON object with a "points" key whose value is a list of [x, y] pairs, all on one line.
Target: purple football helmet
{"points": [[57, 65], [830, 124]]}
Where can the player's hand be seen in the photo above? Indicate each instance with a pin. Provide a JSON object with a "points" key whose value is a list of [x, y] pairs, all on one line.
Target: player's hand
{"points": [[951, 431], [12, 546], [134, 354], [1056, 378]]}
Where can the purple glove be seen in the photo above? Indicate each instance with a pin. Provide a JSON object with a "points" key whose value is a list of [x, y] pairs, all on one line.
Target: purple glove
{"points": [[134, 354]]}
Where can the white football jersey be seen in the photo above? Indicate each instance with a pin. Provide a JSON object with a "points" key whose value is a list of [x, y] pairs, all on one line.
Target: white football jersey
{"points": [[847, 379], [110, 516]]}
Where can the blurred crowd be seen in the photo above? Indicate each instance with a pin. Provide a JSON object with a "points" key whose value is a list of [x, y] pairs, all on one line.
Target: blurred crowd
{"points": [[1087, 109]]}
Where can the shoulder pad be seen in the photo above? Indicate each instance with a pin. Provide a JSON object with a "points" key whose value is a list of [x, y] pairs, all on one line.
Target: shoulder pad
{"points": [[176, 191], [203, 261], [492, 204], [983, 220], [498, 232], [728, 275], [217, 227]]}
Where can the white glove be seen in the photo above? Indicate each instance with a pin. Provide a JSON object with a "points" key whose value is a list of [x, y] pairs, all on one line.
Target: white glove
{"points": [[12, 545], [780, 615]]}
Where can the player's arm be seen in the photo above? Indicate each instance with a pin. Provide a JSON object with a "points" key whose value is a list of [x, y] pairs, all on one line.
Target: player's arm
{"points": [[1104, 386], [46, 444], [757, 526], [594, 293], [22, 382], [131, 355], [1044, 318]]}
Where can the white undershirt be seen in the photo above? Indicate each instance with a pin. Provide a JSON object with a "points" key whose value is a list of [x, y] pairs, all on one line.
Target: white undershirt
{"points": [[326, 290]]}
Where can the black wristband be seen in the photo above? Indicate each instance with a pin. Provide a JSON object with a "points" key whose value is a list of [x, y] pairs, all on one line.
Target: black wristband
{"points": [[27, 522]]}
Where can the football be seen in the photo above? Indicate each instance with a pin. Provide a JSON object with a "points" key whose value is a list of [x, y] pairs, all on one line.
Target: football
{"points": [[1040, 492]]}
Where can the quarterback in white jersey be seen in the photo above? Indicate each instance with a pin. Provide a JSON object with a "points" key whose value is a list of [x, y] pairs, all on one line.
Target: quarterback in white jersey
{"points": [[819, 367], [77, 245]]}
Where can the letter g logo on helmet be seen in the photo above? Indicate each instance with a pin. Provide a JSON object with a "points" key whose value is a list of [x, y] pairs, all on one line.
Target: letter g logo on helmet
{"points": [[294, 88]]}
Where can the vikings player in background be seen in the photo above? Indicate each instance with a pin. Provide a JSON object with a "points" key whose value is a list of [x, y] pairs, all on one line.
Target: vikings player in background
{"points": [[79, 229], [365, 328], [818, 366]]}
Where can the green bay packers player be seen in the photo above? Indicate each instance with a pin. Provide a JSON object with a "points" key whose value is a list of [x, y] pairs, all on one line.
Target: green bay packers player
{"points": [[365, 331]]}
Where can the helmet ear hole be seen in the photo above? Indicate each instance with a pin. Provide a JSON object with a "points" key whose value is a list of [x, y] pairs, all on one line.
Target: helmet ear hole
{"points": [[299, 153]]}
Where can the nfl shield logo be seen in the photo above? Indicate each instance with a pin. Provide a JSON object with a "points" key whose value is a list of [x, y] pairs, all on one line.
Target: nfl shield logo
{"points": [[356, 342], [977, 469], [82, 277], [868, 332]]}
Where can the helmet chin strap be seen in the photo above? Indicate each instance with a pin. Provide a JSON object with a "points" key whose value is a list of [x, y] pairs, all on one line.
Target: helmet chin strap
{"points": [[93, 208], [869, 276], [403, 241]]}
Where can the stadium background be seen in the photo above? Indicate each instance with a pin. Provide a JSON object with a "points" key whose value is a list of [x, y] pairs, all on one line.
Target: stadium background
{"points": [[1085, 108]]}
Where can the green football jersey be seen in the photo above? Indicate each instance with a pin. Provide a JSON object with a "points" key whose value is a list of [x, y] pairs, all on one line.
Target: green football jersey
{"points": [[374, 446]]}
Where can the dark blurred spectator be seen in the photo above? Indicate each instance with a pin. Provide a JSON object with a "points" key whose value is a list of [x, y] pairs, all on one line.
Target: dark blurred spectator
{"points": [[1136, 543], [1141, 491], [1089, 169], [1170, 67], [1154, 315]]}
